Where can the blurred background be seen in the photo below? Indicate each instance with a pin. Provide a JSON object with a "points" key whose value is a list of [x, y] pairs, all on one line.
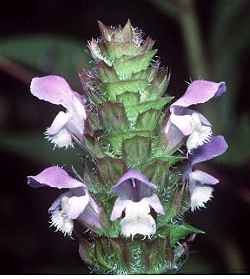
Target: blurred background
{"points": [[195, 39]]}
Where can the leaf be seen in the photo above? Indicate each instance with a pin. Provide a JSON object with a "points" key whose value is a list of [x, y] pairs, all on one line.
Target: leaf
{"points": [[178, 232], [47, 54], [154, 251], [136, 150]]}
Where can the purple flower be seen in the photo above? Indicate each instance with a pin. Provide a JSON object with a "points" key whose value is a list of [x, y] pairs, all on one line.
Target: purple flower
{"points": [[67, 125], [199, 181], [184, 122], [136, 198], [73, 204]]}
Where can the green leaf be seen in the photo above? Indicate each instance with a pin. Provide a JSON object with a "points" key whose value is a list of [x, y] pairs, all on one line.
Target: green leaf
{"points": [[47, 54], [178, 232], [126, 67], [113, 117], [136, 150]]}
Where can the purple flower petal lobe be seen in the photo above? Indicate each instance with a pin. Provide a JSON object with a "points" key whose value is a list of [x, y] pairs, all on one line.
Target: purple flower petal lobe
{"points": [[215, 147], [53, 89], [200, 91], [55, 177]]}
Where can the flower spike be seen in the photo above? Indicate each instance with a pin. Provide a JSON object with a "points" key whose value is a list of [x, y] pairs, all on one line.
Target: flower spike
{"points": [[127, 211]]}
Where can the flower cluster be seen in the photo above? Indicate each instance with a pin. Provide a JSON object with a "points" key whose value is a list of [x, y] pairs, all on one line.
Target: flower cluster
{"points": [[136, 194], [131, 141]]}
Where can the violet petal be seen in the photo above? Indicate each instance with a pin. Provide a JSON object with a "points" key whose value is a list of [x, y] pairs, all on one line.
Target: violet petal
{"points": [[200, 91], [53, 89], [203, 178], [173, 136], [54, 177], [133, 185], [215, 147], [90, 217]]}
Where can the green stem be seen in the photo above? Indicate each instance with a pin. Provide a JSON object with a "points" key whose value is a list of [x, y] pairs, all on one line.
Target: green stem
{"points": [[192, 37]]}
